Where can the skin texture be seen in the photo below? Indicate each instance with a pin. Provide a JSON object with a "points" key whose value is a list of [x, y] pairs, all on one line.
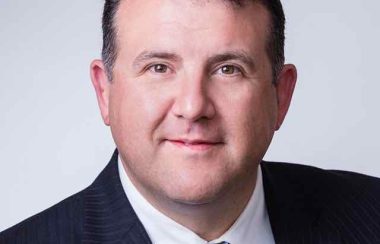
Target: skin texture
{"points": [[192, 107]]}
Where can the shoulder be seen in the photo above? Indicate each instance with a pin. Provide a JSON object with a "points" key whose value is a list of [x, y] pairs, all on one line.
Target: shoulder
{"points": [[61, 223], [314, 177], [341, 202], [92, 215]]}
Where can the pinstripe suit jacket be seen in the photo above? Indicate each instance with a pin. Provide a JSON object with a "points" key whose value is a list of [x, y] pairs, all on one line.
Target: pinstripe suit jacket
{"points": [[305, 205]]}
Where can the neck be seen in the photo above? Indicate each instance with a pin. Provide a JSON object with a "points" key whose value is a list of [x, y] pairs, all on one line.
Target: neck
{"points": [[211, 220], [208, 220]]}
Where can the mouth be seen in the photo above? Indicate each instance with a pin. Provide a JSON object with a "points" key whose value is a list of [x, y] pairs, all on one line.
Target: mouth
{"points": [[195, 145]]}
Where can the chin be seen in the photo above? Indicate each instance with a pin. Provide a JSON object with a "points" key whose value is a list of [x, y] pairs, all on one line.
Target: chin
{"points": [[195, 192], [194, 199]]}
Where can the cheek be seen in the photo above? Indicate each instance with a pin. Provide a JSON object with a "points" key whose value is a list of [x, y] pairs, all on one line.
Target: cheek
{"points": [[250, 120], [136, 111]]}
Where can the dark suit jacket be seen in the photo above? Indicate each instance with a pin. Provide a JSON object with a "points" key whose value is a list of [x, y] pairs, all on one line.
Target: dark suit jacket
{"points": [[305, 205]]}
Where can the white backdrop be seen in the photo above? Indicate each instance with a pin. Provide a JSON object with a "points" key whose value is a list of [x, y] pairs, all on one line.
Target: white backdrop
{"points": [[53, 142]]}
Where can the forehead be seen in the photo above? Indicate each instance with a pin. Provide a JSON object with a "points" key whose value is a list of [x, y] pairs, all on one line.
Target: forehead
{"points": [[218, 22]]}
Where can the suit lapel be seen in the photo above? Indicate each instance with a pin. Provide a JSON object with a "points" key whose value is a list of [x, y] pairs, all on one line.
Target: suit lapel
{"points": [[109, 216], [294, 209], [295, 206]]}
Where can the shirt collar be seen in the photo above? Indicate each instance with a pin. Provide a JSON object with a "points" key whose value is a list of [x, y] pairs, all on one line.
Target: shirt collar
{"points": [[252, 226]]}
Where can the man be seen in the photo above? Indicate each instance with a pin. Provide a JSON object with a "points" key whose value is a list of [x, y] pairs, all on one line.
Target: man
{"points": [[193, 92]]}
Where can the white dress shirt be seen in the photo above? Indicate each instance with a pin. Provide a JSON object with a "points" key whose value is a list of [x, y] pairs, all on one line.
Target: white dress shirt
{"points": [[252, 226]]}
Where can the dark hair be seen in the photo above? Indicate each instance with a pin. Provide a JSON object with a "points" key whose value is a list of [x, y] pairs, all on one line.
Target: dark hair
{"points": [[109, 50], [275, 44]]}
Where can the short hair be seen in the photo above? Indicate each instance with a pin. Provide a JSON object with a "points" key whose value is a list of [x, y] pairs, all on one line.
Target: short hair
{"points": [[275, 43]]}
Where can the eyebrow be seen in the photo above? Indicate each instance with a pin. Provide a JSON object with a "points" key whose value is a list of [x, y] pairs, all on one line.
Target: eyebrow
{"points": [[232, 55], [218, 58], [147, 55]]}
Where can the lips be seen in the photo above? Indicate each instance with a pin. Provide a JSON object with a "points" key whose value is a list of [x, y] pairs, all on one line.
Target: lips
{"points": [[195, 144]]}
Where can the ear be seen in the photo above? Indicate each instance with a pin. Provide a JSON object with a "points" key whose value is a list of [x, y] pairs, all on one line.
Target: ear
{"points": [[102, 88], [285, 87]]}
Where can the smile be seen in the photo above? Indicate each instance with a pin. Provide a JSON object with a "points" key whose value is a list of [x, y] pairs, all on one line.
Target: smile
{"points": [[195, 145]]}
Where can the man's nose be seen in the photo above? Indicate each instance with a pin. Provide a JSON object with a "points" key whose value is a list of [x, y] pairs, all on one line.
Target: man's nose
{"points": [[192, 101]]}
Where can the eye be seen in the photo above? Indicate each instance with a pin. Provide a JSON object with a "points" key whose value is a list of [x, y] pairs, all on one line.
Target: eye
{"points": [[229, 70], [159, 68]]}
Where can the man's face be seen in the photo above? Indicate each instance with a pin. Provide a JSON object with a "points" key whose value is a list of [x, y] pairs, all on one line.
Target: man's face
{"points": [[191, 107]]}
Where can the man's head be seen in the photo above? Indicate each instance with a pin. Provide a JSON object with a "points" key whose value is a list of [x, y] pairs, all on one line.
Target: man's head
{"points": [[192, 106], [275, 42]]}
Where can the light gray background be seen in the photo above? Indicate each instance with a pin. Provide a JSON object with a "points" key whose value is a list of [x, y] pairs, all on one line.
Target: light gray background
{"points": [[53, 142]]}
